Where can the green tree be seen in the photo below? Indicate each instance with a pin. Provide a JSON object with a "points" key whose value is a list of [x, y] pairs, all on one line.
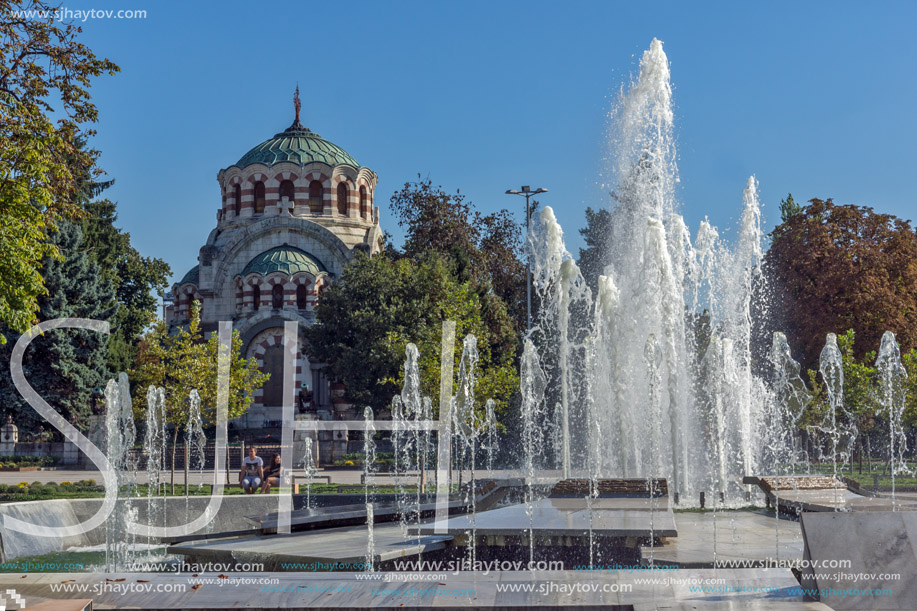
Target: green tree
{"points": [[483, 249], [136, 279], [789, 208], [594, 257], [66, 365], [182, 361], [843, 267], [379, 305], [44, 72]]}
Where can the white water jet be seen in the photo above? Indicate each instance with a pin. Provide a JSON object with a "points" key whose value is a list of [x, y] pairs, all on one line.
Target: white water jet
{"points": [[831, 366], [308, 460], [369, 452], [411, 409], [698, 302], [532, 387], [119, 422], [790, 397], [466, 428], [195, 440], [370, 540], [892, 395], [154, 446], [563, 294]]}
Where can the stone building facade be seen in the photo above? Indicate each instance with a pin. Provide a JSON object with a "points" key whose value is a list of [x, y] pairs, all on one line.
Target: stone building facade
{"points": [[294, 210]]}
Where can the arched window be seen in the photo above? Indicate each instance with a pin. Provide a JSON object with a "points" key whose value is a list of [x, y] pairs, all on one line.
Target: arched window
{"points": [[259, 197], [287, 190], [256, 297], [342, 198], [301, 296], [316, 206], [363, 202], [277, 297], [237, 200]]}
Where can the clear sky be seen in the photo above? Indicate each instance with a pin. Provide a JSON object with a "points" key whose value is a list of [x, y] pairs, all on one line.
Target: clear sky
{"points": [[815, 98]]}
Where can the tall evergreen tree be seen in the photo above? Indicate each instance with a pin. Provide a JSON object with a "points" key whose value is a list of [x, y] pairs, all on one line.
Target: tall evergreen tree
{"points": [[596, 234], [136, 279], [65, 365]]}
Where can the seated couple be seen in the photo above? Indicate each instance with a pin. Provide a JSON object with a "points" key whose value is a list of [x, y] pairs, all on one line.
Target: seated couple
{"points": [[255, 477]]}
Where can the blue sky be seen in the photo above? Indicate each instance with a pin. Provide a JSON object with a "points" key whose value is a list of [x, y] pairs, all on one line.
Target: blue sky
{"points": [[815, 98]]}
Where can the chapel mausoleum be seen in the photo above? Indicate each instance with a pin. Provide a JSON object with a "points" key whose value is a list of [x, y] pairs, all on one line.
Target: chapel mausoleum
{"points": [[295, 209]]}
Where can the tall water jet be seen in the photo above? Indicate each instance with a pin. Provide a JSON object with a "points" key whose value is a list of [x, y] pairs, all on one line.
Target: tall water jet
{"points": [[154, 446], [790, 397], [369, 459], [466, 426], [532, 387], [892, 377], [831, 366], [370, 563], [369, 452], [563, 294], [696, 301], [647, 269], [308, 460], [119, 422], [195, 440], [652, 356], [490, 434], [411, 410]]}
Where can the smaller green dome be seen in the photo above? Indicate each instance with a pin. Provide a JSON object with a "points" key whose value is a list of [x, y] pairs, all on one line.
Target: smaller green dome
{"points": [[286, 259], [192, 277]]}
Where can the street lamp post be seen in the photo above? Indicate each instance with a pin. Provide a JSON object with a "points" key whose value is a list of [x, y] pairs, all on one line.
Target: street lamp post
{"points": [[526, 191]]}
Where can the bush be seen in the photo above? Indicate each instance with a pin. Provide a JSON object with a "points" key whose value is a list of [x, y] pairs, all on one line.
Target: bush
{"points": [[4, 488], [28, 461]]}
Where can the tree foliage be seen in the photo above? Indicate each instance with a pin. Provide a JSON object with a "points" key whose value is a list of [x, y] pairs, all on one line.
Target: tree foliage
{"points": [[843, 267], [594, 257], [789, 208], [380, 304], [65, 366], [183, 361], [485, 250], [44, 72], [136, 279]]}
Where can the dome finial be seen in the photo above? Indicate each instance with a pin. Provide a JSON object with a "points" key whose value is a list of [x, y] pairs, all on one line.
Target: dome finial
{"points": [[296, 103]]}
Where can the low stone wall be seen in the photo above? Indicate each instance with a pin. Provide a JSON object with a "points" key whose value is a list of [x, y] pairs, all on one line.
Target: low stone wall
{"points": [[70, 512], [66, 452]]}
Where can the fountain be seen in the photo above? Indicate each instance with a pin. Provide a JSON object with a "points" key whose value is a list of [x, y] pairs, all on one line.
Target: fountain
{"points": [[369, 460], [836, 425], [308, 460], [533, 385], [119, 421], [195, 441], [154, 446], [892, 375]]}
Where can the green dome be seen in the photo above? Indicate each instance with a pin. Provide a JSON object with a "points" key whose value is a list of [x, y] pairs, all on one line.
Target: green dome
{"points": [[192, 277], [287, 259], [297, 144]]}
